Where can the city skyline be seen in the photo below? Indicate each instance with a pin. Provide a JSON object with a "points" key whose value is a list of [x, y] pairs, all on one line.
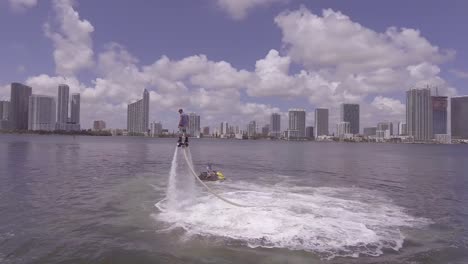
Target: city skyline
{"points": [[207, 76]]}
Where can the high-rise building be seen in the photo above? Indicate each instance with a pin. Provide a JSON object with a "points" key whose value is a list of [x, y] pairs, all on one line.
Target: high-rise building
{"points": [[310, 132], [206, 131], [439, 114], [19, 104], [370, 131], [321, 122], [343, 128], [99, 125], [75, 108], [402, 131], [297, 122], [252, 129], [138, 115], [382, 126], [419, 114], [266, 130], [156, 129], [221, 129], [62, 106], [194, 125], [4, 110], [350, 113], [4, 113], [41, 113], [275, 125], [459, 117]]}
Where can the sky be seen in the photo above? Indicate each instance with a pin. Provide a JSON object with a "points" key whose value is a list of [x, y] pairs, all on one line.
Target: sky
{"points": [[235, 60]]}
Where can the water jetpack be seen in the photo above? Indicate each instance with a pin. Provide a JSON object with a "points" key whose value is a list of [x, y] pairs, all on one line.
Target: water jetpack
{"points": [[211, 176]]}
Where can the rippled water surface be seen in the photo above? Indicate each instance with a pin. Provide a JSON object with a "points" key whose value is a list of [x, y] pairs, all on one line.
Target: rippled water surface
{"points": [[70, 199]]}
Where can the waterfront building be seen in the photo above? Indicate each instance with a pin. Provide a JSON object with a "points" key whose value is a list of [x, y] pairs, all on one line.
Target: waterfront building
{"points": [[297, 121], [194, 125], [382, 126], [156, 129], [19, 104], [275, 125], [99, 125], [75, 109], [62, 106], [443, 138], [402, 131], [459, 117], [321, 122], [419, 114], [206, 131], [343, 128], [350, 113], [439, 114], [370, 131], [265, 130], [310, 132], [252, 129], [41, 113], [138, 115], [4, 110]]}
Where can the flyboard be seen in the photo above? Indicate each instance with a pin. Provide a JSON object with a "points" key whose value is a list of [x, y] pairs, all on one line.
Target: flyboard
{"points": [[194, 174]]}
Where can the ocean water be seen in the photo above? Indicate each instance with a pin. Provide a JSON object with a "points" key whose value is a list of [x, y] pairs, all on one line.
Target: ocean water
{"points": [[70, 199]]}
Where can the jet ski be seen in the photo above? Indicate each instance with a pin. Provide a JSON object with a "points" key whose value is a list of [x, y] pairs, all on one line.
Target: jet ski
{"points": [[211, 175]]}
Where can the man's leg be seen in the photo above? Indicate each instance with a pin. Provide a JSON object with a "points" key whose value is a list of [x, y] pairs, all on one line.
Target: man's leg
{"points": [[180, 137]]}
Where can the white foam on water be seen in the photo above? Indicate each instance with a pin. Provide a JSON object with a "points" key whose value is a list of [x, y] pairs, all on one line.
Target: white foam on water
{"points": [[181, 186], [327, 221]]}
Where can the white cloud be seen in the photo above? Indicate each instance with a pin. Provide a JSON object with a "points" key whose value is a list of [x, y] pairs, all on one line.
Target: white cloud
{"points": [[20, 5], [73, 46], [390, 106], [459, 73], [333, 72], [238, 9], [333, 40]]}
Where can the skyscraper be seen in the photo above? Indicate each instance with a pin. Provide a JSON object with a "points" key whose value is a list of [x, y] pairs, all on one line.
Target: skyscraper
{"points": [[194, 125], [370, 131], [4, 113], [265, 130], [221, 129], [42, 113], [206, 131], [439, 114], [252, 129], [62, 106], [402, 129], [343, 128], [75, 108], [275, 125], [459, 116], [419, 114], [310, 132], [99, 125], [4, 110], [156, 129], [321, 122], [19, 103], [350, 113], [138, 115], [297, 120], [384, 126]]}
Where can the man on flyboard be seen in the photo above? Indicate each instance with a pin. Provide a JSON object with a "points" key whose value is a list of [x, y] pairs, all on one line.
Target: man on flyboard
{"points": [[183, 124]]}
